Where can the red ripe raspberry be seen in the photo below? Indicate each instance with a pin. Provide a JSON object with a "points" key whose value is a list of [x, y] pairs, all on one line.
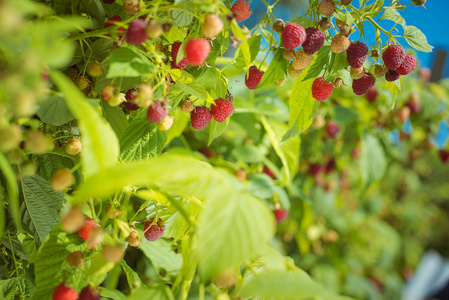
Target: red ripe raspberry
{"points": [[130, 103], [444, 156], [408, 65], [136, 34], [253, 78], [316, 169], [197, 51], [314, 40], [293, 36], [241, 9], [89, 293], [156, 112], [174, 53], [267, 171], [356, 54], [371, 95], [200, 117], [280, 214], [84, 232], [321, 89], [392, 75], [155, 231], [221, 109], [362, 85], [111, 22], [393, 57], [332, 129], [63, 292]]}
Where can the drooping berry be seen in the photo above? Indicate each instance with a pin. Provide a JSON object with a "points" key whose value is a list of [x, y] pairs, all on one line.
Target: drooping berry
{"points": [[444, 156], [293, 36], [289, 54], [221, 109], [408, 65], [108, 91], [314, 40], [200, 117], [212, 26], [130, 103], [242, 10], [136, 34], [131, 6], [345, 30], [84, 232], [156, 112], [326, 7], [154, 30], [155, 231], [174, 53], [73, 220], [321, 89], [197, 51], [268, 171], [380, 71], [94, 69], [356, 54], [280, 214], [292, 72], [362, 85], [340, 43], [253, 78], [133, 239], [187, 105], [325, 24], [419, 2], [62, 179], [144, 97], [403, 113], [165, 124], [392, 75], [371, 95], [337, 82], [113, 253], [75, 259], [89, 293], [63, 292], [357, 73], [38, 143], [393, 57], [332, 129], [10, 137], [278, 26], [301, 60]]}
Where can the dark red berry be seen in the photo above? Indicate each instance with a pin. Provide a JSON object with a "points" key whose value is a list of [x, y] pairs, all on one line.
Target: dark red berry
{"points": [[111, 22], [293, 36], [200, 117], [356, 54], [280, 214], [371, 95], [362, 85], [332, 129], [408, 65], [393, 57], [253, 78], [136, 34], [221, 109], [415, 107], [130, 96], [174, 53], [316, 169], [89, 293], [392, 75], [444, 156], [156, 112], [267, 171], [155, 231], [331, 165], [314, 40]]}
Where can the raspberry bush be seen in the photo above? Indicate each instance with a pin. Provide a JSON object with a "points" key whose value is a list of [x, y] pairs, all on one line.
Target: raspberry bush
{"points": [[164, 149]]}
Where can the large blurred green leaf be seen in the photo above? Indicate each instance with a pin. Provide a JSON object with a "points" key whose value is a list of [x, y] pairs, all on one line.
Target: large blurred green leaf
{"points": [[128, 62], [154, 291], [115, 116], [100, 144], [372, 161], [166, 262]]}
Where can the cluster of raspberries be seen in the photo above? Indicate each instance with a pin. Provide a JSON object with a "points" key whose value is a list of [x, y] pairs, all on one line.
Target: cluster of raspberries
{"points": [[200, 116]]}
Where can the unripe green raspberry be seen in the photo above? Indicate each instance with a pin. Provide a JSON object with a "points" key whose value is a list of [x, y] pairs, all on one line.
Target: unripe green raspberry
{"points": [[144, 96], [357, 73], [278, 26], [10, 137], [131, 6], [75, 259], [133, 239], [113, 253], [94, 69], [38, 143], [73, 146], [165, 124], [62, 179], [154, 30], [82, 83], [116, 99], [212, 26], [380, 71], [302, 60], [292, 72]]}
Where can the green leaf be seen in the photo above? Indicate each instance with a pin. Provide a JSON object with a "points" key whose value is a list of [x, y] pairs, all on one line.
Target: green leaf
{"points": [[54, 111], [132, 277], [261, 185], [416, 39], [100, 144], [393, 15], [12, 191], [128, 62], [100, 49], [115, 116], [393, 88], [244, 46], [141, 139], [244, 226], [188, 84], [345, 115], [373, 162], [302, 108], [276, 70], [166, 262], [181, 119], [254, 47], [111, 294], [40, 207], [48, 163], [154, 291], [182, 18], [8, 287], [216, 129], [321, 62], [248, 154]]}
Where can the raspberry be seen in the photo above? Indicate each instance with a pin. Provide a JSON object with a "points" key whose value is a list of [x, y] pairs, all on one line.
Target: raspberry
{"points": [[357, 73], [362, 85], [413, 103], [293, 36], [241, 9], [330, 166], [155, 231], [278, 26], [89, 293], [380, 71], [280, 214], [408, 65], [356, 54], [371, 95], [154, 30], [133, 239], [221, 109], [165, 124], [392, 75], [110, 22], [113, 253], [144, 96], [116, 99], [326, 7], [197, 51], [253, 77], [267, 171], [240, 174], [292, 72], [156, 112], [301, 60], [11, 137], [131, 6], [393, 57], [82, 82], [38, 143], [63, 292], [108, 91], [200, 117], [444, 156], [62, 179], [321, 89], [187, 106], [174, 53], [212, 25], [75, 259], [94, 69], [84, 232], [289, 54], [136, 34], [280, 82], [130, 103], [331, 130], [73, 146], [73, 221], [345, 30], [325, 24], [316, 169], [340, 43], [314, 40]]}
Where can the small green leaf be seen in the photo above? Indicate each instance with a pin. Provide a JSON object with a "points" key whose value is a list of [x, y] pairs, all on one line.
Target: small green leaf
{"points": [[416, 39], [321, 62], [132, 277], [166, 262], [182, 18], [254, 45], [128, 62], [393, 15], [54, 111], [181, 119], [13, 191], [188, 84], [373, 162], [244, 46], [276, 70], [216, 129], [261, 186], [393, 88]]}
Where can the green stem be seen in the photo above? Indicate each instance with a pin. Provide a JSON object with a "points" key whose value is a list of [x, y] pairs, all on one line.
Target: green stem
{"points": [[16, 268], [380, 28]]}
